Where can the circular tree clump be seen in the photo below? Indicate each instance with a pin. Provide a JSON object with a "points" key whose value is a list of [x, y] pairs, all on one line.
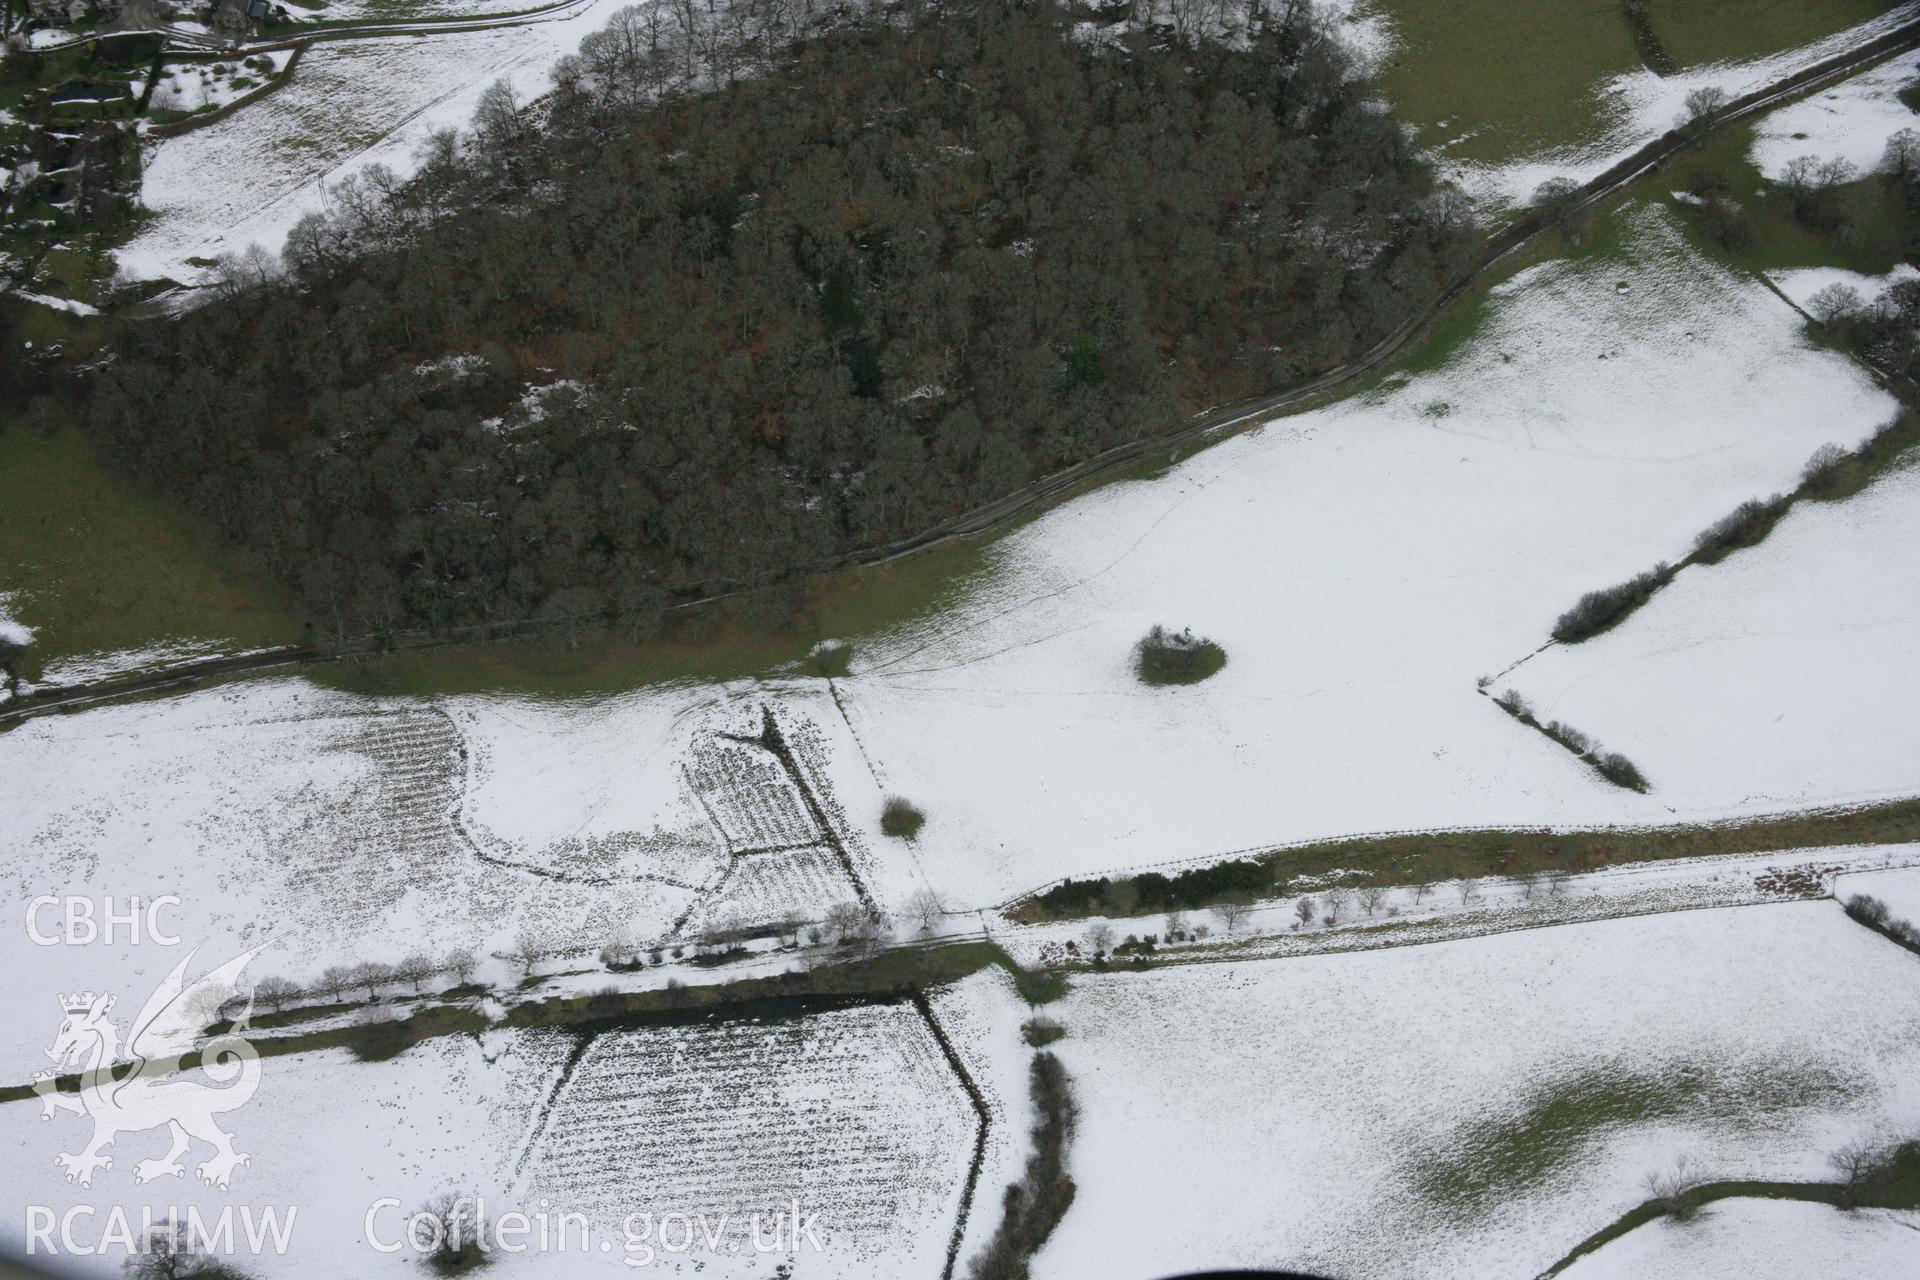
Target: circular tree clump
{"points": [[1176, 657], [901, 819]]}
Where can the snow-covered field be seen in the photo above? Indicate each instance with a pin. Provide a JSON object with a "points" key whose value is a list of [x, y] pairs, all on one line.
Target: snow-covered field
{"points": [[982, 1016], [327, 1135], [1784, 675], [1850, 121], [1639, 106], [1900, 890], [248, 178], [108, 664], [353, 829], [1601, 415], [408, 10], [1481, 1106], [855, 1114], [1363, 566], [1801, 283], [272, 811], [1779, 1239], [188, 86]]}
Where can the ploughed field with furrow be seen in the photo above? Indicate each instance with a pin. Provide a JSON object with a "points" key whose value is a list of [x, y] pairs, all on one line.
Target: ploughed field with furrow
{"points": [[854, 1113], [399, 834], [750, 796], [767, 888]]}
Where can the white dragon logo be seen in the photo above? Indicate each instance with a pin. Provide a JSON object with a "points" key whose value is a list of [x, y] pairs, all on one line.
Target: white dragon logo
{"points": [[142, 1087]]}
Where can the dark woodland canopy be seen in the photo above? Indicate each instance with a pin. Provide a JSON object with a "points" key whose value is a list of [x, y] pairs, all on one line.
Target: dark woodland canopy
{"points": [[892, 271]]}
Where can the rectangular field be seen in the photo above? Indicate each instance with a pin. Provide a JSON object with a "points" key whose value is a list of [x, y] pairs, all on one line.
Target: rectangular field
{"points": [[1483, 1105]]}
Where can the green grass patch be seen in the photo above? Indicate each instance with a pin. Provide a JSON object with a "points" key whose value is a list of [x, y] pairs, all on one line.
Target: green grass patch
{"points": [[1453, 72], [1041, 1031], [1451, 855], [380, 1041], [1600, 239], [1850, 472], [896, 972], [832, 658], [1700, 31], [602, 662], [1895, 1185], [100, 566], [709, 644], [1884, 231], [1496, 1160]]}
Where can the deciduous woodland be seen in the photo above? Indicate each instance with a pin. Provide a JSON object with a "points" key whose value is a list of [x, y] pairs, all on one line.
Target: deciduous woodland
{"points": [[691, 322]]}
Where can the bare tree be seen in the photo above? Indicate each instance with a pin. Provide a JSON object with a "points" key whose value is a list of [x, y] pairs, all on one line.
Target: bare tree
{"points": [[1099, 938], [1678, 1190], [1337, 899], [1838, 301], [416, 969], [1450, 209], [1857, 1163], [204, 1006], [497, 121], [876, 930], [1176, 926], [1800, 174], [1232, 909], [1809, 183], [1554, 200], [1422, 886], [1513, 702], [1371, 897], [371, 975], [456, 1242], [334, 980], [924, 907], [1469, 891], [1836, 170], [1822, 469], [525, 951], [166, 1251], [1303, 910], [1704, 105], [276, 991], [845, 920], [619, 949], [461, 963], [1901, 160]]}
